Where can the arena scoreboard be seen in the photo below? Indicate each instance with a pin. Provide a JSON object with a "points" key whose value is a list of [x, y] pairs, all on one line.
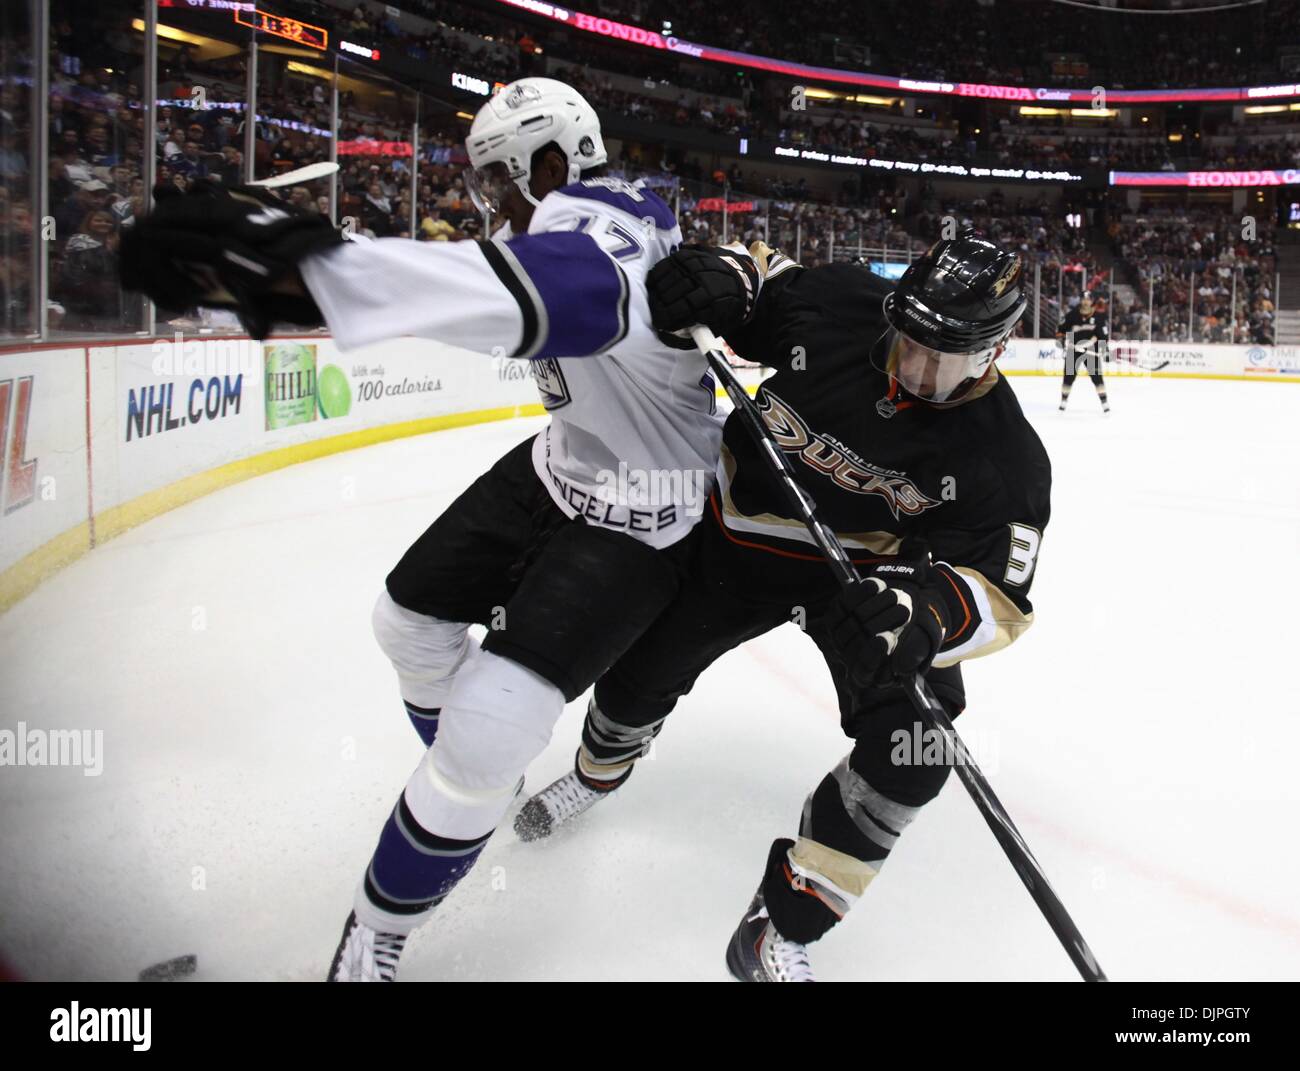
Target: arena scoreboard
{"points": [[291, 29]]}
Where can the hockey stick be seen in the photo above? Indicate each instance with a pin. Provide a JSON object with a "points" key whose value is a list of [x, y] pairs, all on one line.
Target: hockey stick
{"points": [[1139, 365], [917, 688], [300, 174], [1107, 356], [1149, 367]]}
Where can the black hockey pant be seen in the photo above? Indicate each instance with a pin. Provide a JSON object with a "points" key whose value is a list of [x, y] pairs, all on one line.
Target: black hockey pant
{"points": [[858, 810]]}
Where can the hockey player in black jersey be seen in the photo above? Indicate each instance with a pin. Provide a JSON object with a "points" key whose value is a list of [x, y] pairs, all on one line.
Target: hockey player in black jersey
{"points": [[890, 405], [1085, 336]]}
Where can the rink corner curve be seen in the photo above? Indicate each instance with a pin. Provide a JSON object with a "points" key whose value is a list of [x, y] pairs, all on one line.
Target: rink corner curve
{"points": [[101, 437]]}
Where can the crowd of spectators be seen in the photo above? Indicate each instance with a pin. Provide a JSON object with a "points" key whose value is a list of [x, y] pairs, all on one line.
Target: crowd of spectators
{"points": [[1245, 153], [1188, 254], [498, 47], [1032, 42], [18, 225], [1188, 260], [683, 108], [507, 49], [98, 144], [815, 233], [1150, 153]]}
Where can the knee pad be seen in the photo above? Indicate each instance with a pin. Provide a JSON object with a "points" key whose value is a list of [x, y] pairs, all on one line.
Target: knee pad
{"points": [[901, 778], [498, 718], [426, 651]]}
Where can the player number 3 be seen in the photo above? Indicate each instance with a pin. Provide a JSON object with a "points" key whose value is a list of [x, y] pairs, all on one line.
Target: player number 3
{"points": [[1023, 555]]}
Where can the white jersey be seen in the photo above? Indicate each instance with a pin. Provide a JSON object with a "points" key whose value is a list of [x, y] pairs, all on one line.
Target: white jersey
{"points": [[635, 428]]}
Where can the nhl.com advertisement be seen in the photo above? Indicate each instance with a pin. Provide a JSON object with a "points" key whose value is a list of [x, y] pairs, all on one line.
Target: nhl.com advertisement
{"points": [[184, 384]]}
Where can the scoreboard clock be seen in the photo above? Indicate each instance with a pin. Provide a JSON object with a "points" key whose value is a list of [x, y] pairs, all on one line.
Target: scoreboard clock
{"points": [[295, 30]]}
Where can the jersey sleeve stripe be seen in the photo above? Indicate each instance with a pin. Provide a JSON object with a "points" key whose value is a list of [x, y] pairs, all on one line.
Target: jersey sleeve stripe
{"points": [[999, 621], [968, 618], [515, 280], [582, 294]]}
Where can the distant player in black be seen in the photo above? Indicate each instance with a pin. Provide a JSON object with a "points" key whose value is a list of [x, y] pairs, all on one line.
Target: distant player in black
{"points": [[918, 455], [1085, 335]]}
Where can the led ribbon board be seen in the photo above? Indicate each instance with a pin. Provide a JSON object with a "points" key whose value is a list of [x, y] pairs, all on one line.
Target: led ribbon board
{"points": [[636, 35], [1289, 176]]}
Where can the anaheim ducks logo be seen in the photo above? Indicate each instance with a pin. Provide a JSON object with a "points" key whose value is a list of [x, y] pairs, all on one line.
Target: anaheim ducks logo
{"points": [[839, 464], [1008, 276]]}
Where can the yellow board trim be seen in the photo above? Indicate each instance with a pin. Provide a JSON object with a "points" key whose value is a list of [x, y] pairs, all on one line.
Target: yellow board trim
{"points": [[22, 578], [1120, 377]]}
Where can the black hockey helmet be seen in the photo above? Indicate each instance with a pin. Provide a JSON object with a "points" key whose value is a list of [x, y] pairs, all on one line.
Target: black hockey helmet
{"points": [[948, 316], [963, 295]]}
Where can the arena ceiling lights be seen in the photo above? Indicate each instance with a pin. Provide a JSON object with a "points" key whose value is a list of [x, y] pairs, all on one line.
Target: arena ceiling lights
{"points": [[1079, 113], [813, 93], [205, 48], [637, 35]]}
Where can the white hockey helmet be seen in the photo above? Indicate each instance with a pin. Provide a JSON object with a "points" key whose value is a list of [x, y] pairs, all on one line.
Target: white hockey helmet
{"points": [[516, 122]]}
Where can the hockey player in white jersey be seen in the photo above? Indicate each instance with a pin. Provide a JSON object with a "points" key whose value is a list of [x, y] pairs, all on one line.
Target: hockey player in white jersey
{"points": [[568, 547]]}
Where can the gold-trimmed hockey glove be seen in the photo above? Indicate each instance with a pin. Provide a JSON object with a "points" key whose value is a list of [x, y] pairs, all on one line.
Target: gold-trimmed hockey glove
{"points": [[892, 623], [715, 287]]}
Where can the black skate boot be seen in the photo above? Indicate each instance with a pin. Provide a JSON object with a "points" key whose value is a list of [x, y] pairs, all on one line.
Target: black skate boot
{"points": [[757, 953]]}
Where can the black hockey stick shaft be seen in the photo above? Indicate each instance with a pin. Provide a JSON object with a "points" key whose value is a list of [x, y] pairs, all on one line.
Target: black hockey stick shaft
{"points": [[917, 688]]}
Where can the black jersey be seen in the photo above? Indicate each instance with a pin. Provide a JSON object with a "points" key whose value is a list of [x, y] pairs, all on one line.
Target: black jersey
{"points": [[971, 479], [1087, 332]]}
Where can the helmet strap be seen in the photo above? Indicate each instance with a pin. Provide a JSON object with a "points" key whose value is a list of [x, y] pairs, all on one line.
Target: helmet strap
{"points": [[523, 182]]}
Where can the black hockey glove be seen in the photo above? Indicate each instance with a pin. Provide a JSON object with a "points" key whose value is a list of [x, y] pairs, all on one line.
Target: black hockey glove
{"points": [[892, 623], [235, 248], [714, 287]]}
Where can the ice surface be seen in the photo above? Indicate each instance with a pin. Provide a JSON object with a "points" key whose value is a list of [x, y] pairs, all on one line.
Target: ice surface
{"points": [[1143, 734]]}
